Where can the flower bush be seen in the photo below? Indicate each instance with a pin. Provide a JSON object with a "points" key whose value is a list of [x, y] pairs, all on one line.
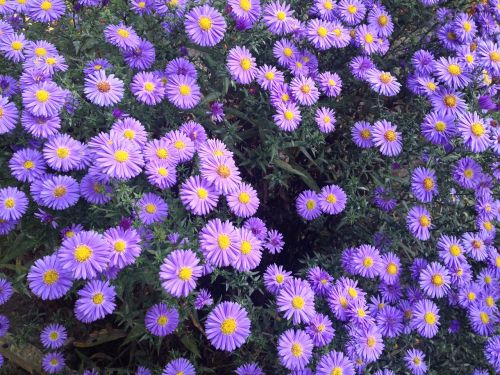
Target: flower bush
{"points": [[250, 186]]}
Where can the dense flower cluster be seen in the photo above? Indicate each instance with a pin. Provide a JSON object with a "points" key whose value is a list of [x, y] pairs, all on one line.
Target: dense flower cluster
{"points": [[377, 294]]}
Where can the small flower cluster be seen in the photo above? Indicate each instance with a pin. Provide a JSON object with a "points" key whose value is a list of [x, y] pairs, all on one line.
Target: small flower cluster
{"points": [[331, 200]]}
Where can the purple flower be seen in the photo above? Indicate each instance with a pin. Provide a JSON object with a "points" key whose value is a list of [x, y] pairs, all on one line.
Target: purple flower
{"points": [[203, 298], [250, 251], [387, 138], [183, 91], [296, 300], [425, 318], [8, 115], [278, 17], [161, 320], [43, 99], [274, 242], [304, 90], [287, 116], [383, 82], [103, 90], [335, 363], [179, 366], [122, 36], [221, 172], [123, 246], [295, 349], [147, 88], [54, 362], [438, 128], [325, 119], [6, 290], [96, 300], [415, 361], [419, 222], [179, 272], [332, 199], [13, 203], [152, 209], [205, 26], [141, 57], [320, 330], [241, 65], [474, 131], [451, 72], [227, 326], [48, 279], [218, 242], [53, 336], [119, 159], [423, 184]]}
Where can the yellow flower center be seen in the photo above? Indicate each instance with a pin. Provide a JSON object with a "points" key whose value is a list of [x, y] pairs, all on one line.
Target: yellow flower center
{"points": [[430, 318], [280, 15], [184, 90], [141, 4], [488, 279], [431, 86], [223, 171], [298, 302], [9, 203], [488, 226], [495, 56], [454, 69], [365, 134], [390, 135], [228, 326], [82, 253], [205, 23], [490, 301], [123, 33], [46, 5], [98, 298], [368, 262], [467, 26], [269, 76], [428, 183], [306, 89], [60, 191], [185, 273], [469, 173], [369, 39], [245, 63], [42, 96], [53, 335], [202, 193], [62, 152], [437, 280], [162, 153], [162, 320], [371, 341], [288, 52], [53, 362], [484, 317], [179, 145], [322, 31], [310, 204], [162, 171], [288, 115], [331, 198], [455, 250], [417, 361], [343, 302], [477, 129], [279, 278], [16, 45], [328, 5], [424, 221], [97, 67], [121, 156], [50, 277], [129, 134], [103, 86], [383, 20], [392, 269], [385, 78], [361, 312], [98, 188], [297, 350], [440, 126], [450, 101], [352, 9], [337, 32], [320, 328], [244, 198], [245, 5], [120, 246], [40, 51], [327, 119], [224, 241], [246, 247], [336, 371], [149, 86], [352, 292], [471, 296], [51, 60], [150, 208], [469, 58]]}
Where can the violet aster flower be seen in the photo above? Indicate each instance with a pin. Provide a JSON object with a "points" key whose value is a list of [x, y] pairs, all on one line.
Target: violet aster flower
{"points": [[287, 116], [423, 62], [53, 363], [43, 99], [274, 242], [320, 330], [296, 300], [278, 17], [304, 90], [152, 209], [13, 203], [243, 201], [415, 361], [351, 11], [319, 33], [47, 279], [249, 369], [390, 268], [335, 363], [435, 280], [438, 128], [383, 82], [332, 199], [325, 119], [179, 272], [122, 36], [8, 86], [179, 366], [205, 26], [369, 343], [103, 90], [248, 10], [387, 138], [27, 165], [183, 91], [120, 159], [95, 65], [85, 254], [275, 277], [219, 242], [268, 76], [53, 336], [195, 131], [308, 205], [451, 72], [330, 84], [423, 184], [450, 250], [203, 298], [320, 281], [59, 192], [181, 66], [63, 153], [40, 127], [182, 144], [147, 88], [94, 190], [95, 301], [367, 261], [227, 326], [419, 222], [467, 172], [361, 134], [295, 349], [12, 45], [4, 325], [475, 132], [141, 57], [221, 172], [482, 319], [198, 196], [161, 320], [217, 112], [448, 101], [250, 251], [488, 54], [257, 227], [161, 150], [284, 51], [425, 318], [492, 351], [8, 115], [241, 65], [381, 21], [6, 290], [365, 37], [123, 246]]}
